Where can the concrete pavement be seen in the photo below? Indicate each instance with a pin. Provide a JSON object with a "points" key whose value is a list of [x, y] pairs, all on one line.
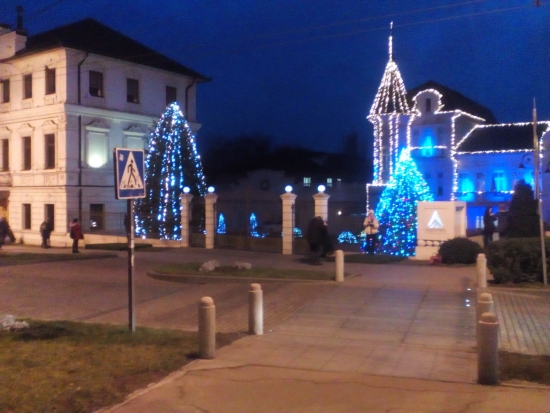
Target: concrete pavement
{"points": [[394, 338]]}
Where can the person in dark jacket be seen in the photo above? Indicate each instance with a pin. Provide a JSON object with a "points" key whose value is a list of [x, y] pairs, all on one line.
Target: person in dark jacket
{"points": [[5, 231], [45, 231], [76, 234], [316, 235], [489, 226]]}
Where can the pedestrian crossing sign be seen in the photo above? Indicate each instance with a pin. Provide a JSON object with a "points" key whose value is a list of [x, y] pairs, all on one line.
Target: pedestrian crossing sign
{"points": [[129, 173]]}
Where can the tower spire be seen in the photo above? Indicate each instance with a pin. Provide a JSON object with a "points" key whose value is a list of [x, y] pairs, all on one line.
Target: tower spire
{"points": [[391, 42]]}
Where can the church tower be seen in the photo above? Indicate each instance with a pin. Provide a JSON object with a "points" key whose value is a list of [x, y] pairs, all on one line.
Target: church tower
{"points": [[389, 114]]}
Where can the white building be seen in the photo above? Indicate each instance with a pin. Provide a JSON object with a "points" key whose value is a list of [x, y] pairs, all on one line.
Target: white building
{"points": [[67, 98]]}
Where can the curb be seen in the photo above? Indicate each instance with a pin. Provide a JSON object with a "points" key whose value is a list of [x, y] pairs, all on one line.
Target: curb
{"points": [[213, 279]]}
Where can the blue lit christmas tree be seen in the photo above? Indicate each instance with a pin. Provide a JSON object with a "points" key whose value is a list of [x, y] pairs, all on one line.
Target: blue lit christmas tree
{"points": [[172, 162], [221, 224], [396, 210], [253, 225]]}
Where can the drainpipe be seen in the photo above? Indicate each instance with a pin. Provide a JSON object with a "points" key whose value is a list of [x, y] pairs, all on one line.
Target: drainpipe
{"points": [[187, 98], [80, 140]]}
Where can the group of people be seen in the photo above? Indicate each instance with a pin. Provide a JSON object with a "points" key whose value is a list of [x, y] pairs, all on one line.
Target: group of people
{"points": [[75, 233]]}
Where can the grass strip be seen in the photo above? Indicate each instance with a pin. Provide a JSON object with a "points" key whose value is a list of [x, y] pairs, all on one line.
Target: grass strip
{"points": [[192, 268], [523, 367], [71, 367]]}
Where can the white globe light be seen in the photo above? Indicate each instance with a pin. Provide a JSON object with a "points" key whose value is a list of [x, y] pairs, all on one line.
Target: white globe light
{"points": [[186, 189], [210, 189], [288, 188], [321, 188]]}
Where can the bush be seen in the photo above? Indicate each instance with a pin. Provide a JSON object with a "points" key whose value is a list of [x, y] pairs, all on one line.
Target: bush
{"points": [[516, 260], [459, 250]]}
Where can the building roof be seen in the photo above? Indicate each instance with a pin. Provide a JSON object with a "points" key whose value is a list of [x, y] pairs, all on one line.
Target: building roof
{"points": [[453, 100], [90, 36], [504, 137]]}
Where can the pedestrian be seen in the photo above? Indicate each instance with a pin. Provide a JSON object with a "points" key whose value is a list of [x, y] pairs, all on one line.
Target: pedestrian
{"points": [[76, 234], [328, 248], [371, 225], [5, 232], [315, 235], [489, 226], [45, 231]]}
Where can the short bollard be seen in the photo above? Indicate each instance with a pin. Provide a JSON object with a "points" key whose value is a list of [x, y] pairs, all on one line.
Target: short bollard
{"points": [[255, 310], [481, 268], [484, 304], [207, 328], [339, 259], [487, 356]]}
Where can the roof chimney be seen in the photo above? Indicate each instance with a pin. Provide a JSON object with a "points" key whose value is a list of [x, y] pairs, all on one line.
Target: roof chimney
{"points": [[12, 41]]}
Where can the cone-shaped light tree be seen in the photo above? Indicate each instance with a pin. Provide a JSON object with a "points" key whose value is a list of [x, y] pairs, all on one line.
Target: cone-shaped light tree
{"points": [[396, 210], [172, 162]]}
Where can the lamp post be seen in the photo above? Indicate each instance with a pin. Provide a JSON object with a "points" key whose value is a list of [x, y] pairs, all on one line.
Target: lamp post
{"points": [[536, 150]]}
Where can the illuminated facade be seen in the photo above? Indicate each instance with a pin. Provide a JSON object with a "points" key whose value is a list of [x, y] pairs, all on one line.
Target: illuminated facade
{"points": [[457, 145], [67, 98]]}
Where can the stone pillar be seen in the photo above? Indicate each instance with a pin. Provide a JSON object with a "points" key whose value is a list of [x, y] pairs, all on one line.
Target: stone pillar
{"points": [[255, 310], [487, 355], [288, 222], [481, 268], [207, 328], [321, 205], [339, 260], [210, 219], [185, 202]]}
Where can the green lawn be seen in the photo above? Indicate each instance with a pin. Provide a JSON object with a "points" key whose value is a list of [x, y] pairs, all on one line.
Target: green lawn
{"points": [[74, 367]]}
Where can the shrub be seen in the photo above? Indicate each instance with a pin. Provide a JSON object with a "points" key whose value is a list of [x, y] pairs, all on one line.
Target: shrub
{"points": [[516, 260], [459, 250]]}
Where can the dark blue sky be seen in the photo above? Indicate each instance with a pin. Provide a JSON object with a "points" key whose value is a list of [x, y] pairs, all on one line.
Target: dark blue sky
{"points": [[306, 71]]}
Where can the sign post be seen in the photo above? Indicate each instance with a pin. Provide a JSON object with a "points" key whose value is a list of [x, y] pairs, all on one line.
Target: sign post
{"points": [[129, 184]]}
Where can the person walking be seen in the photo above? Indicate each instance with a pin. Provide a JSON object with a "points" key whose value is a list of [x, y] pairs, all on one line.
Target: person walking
{"points": [[489, 226], [45, 231], [76, 234], [371, 225], [5, 231], [316, 235]]}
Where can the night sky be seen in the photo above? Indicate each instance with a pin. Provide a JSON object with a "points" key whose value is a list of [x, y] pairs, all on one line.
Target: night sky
{"points": [[306, 71]]}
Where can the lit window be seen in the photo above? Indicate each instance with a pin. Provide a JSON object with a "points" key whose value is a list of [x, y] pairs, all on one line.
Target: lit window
{"points": [[499, 181], [97, 150], [307, 181], [329, 181]]}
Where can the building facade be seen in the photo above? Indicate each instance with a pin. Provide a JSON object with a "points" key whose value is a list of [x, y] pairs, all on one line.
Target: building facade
{"points": [[457, 145], [68, 97]]}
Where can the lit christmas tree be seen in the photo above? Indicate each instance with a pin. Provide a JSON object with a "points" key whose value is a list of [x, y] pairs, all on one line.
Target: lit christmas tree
{"points": [[253, 225], [221, 224], [396, 210], [172, 162]]}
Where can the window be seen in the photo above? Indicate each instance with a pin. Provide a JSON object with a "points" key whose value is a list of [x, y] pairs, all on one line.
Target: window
{"points": [[50, 151], [439, 191], [26, 216], [329, 182], [428, 105], [132, 90], [171, 95], [135, 142], [27, 153], [96, 84], [97, 150], [50, 81], [307, 181], [464, 182], [5, 156], [49, 214], [5, 90], [480, 182], [499, 182], [27, 86], [96, 216]]}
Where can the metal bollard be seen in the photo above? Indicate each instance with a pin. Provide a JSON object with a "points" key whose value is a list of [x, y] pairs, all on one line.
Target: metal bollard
{"points": [[481, 268], [207, 328], [485, 304], [255, 310], [339, 260], [487, 356]]}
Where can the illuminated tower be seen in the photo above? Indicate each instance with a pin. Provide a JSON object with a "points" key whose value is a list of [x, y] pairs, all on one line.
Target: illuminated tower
{"points": [[389, 114]]}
